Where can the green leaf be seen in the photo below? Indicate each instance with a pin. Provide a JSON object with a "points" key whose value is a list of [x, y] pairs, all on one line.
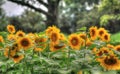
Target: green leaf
{"points": [[82, 29], [1, 44]]}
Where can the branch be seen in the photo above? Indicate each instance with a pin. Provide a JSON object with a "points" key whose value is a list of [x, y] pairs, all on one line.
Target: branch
{"points": [[30, 6], [42, 2]]}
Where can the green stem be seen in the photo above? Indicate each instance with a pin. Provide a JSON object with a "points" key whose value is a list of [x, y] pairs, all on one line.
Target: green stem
{"points": [[68, 62], [25, 66], [32, 71]]}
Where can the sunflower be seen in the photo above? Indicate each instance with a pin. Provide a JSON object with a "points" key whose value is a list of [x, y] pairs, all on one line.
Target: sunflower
{"points": [[93, 32], [110, 46], [88, 42], [117, 48], [83, 36], [31, 36], [9, 52], [15, 47], [101, 32], [110, 62], [11, 37], [75, 41], [20, 34], [55, 47], [54, 37], [11, 29], [38, 49], [82, 42], [94, 50], [24, 42], [41, 42], [1, 39], [50, 29], [80, 72], [62, 36], [104, 51], [106, 37], [17, 58]]}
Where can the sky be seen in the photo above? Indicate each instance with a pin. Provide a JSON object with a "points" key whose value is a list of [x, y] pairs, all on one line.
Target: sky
{"points": [[12, 9]]}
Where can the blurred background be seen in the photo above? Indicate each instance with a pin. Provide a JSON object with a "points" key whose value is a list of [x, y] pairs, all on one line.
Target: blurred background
{"points": [[68, 15]]}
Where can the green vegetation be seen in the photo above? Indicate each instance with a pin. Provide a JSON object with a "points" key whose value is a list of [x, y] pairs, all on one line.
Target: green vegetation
{"points": [[115, 38]]}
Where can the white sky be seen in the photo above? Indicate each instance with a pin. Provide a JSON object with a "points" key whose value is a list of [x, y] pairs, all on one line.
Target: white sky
{"points": [[12, 9]]}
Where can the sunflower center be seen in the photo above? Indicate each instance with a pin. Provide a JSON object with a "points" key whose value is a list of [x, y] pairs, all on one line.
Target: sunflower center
{"points": [[16, 56], [106, 37], [58, 47], [118, 49], [41, 40], [101, 33], [54, 37], [105, 51], [110, 61], [74, 41], [100, 53], [92, 32], [21, 35], [11, 29], [24, 42]]}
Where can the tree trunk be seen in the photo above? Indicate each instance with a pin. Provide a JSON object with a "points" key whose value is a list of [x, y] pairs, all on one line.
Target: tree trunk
{"points": [[53, 10]]}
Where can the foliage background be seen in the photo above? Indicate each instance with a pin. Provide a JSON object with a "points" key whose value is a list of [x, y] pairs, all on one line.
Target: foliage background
{"points": [[72, 14]]}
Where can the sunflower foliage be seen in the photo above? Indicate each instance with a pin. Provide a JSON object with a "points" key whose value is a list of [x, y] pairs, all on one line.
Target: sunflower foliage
{"points": [[52, 52]]}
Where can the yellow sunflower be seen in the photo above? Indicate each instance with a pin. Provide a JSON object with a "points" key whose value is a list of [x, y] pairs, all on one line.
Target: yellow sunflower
{"points": [[41, 42], [24, 42], [82, 42], [88, 42], [20, 34], [117, 48], [50, 29], [38, 49], [62, 36], [83, 36], [31, 36], [106, 37], [17, 58], [9, 52], [15, 47], [55, 47], [54, 37], [80, 72], [93, 32], [11, 37], [110, 46], [103, 51], [11, 29], [101, 32], [1, 39], [110, 62], [74, 41], [94, 50]]}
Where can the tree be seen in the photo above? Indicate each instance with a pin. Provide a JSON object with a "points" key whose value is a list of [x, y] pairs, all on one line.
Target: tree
{"points": [[29, 21], [75, 14], [51, 5], [3, 19], [111, 17]]}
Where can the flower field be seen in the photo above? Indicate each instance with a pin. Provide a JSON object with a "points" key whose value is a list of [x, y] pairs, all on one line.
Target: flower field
{"points": [[53, 52]]}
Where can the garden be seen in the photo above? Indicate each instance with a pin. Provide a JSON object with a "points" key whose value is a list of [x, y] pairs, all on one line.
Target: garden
{"points": [[68, 39]]}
